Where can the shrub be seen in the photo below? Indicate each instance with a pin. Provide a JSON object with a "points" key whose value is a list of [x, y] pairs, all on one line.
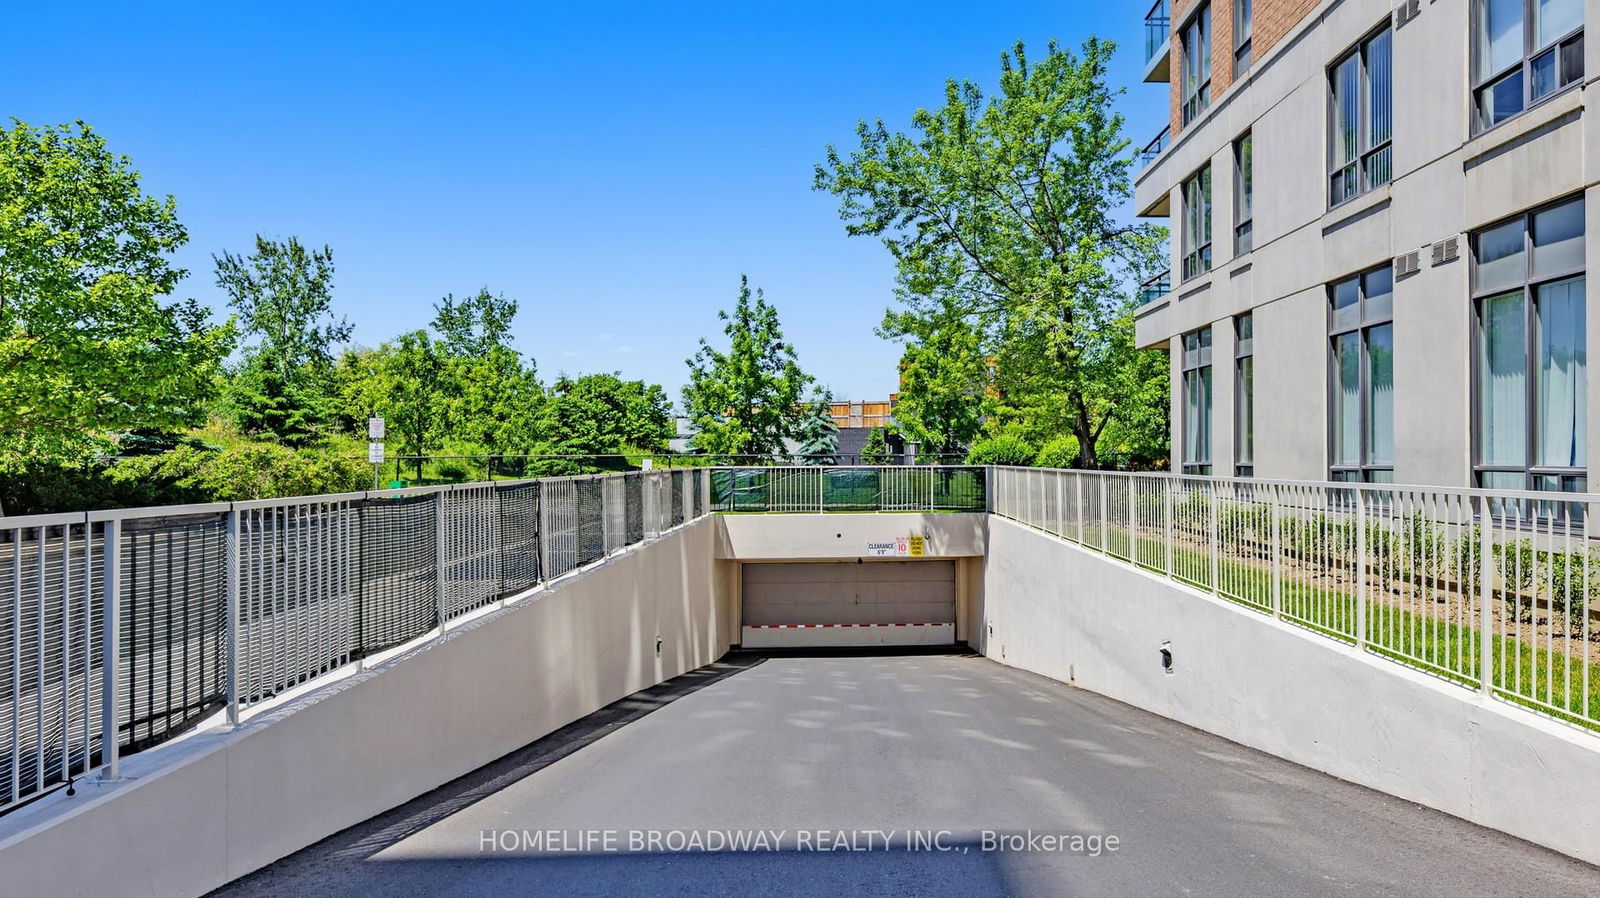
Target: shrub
{"points": [[1061, 452], [1001, 450], [245, 471]]}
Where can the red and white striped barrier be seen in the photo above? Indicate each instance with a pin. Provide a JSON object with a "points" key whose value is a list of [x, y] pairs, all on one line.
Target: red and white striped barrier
{"points": [[766, 636]]}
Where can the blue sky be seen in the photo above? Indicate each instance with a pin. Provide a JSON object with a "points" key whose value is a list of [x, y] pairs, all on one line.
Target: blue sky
{"points": [[614, 167]]}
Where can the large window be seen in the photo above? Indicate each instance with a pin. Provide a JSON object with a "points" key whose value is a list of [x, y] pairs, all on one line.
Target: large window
{"points": [[1362, 119], [1197, 223], [1361, 371], [1531, 383], [1243, 196], [1244, 392], [1522, 52], [1196, 83], [1242, 27], [1197, 401]]}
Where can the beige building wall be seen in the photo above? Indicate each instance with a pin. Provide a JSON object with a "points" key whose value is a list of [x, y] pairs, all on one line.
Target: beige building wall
{"points": [[1446, 183]]}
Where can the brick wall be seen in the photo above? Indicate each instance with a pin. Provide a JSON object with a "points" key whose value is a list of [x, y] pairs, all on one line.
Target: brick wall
{"points": [[1273, 19]]}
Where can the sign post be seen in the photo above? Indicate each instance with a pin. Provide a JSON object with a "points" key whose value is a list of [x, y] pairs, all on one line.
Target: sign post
{"points": [[375, 450]]}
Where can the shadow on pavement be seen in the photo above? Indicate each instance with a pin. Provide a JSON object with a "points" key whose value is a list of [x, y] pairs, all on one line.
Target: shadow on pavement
{"points": [[361, 841]]}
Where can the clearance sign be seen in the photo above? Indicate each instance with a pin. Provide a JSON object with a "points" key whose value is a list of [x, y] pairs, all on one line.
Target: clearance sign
{"points": [[900, 547]]}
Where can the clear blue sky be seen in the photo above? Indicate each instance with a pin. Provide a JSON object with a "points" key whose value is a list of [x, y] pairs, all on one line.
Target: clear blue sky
{"points": [[615, 169]]}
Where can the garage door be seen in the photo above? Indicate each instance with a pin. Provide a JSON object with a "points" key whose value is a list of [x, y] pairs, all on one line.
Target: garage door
{"points": [[848, 603]]}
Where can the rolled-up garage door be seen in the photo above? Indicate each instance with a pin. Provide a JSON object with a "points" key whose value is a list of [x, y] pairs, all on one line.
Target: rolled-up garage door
{"points": [[848, 603]]}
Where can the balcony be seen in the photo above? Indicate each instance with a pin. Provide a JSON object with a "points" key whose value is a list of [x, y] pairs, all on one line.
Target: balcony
{"points": [[1154, 289], [1158, 43], [1153, 148]]}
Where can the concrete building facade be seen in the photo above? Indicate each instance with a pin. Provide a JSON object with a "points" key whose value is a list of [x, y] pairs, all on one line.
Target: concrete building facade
{"points": [[1381, 216]]}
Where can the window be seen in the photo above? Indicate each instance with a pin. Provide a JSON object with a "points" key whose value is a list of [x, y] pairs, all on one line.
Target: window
{"points": [[1196, 81], [1361, 374], [1531, 359], [1243, 196], [1197, 401], [1197, 223], [1362, 122], [1522, 52], [1244, 405], [1241, 37]]}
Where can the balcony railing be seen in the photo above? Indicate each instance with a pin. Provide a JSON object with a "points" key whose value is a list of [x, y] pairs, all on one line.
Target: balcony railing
{"points": [[1155, 288], [1157, 29], [1153, 148]]}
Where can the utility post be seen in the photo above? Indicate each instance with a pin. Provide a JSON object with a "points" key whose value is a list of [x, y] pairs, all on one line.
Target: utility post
{"points": [[375, 451]]}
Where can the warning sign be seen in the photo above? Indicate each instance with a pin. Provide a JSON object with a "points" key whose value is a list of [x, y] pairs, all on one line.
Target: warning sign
{"points": [[902, 547]]}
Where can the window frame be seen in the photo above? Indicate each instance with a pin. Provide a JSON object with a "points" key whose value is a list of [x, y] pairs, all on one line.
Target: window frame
{"points": [[1244, 463], [1202, 362], [1528, 288], [1479, 83], [1366, 152], [1244, 194], [1365, 470], [1243, 31], [1193, 105], [1197, 252]]}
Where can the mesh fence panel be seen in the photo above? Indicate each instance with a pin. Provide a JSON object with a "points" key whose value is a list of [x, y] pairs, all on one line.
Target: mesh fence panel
{"points": [[471, 549], [560, 502], [50, 669], [399, 598], [591, 520], [676, 515], [518, 517], [633, 496], [174, 625], [616, 530], [297, 595]]}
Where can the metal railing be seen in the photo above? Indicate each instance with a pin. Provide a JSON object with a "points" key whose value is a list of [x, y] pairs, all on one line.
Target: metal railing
{"points": [[220, 607], [1154, 148], [860, 488], [1154, 289], [1157, 29], [1490, 590]]}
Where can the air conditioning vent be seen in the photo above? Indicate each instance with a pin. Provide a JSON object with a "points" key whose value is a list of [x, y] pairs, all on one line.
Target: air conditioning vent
{"points": [[1446, 250], [1406, 11], [1407, 263]]}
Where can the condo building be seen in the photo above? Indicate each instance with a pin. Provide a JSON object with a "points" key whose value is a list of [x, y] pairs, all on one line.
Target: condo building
{"points": [[1380, 219]]}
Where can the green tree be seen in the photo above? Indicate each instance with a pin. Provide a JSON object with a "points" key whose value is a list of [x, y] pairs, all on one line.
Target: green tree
{"points": [[90, 343], [283, 296], [943, 378], [876, 450], [602, 414], [819, 435], [491, 399], [750, 399], [1002, 210], [403, 382]]}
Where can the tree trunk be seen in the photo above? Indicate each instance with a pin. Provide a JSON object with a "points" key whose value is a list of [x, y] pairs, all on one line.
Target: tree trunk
{"points": [[1087, 435]]}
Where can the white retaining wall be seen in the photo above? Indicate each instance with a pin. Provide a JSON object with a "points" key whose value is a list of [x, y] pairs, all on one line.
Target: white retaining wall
{"points": [[197, 813], [1077, 616]]}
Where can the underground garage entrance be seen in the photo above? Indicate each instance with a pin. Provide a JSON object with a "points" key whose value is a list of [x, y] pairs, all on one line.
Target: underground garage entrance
{"points": [[848, 603]]}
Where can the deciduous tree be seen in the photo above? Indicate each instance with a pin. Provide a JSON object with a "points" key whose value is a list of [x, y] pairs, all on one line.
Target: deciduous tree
{"points": [[749, 400], [91, 341], [1004, 210]]}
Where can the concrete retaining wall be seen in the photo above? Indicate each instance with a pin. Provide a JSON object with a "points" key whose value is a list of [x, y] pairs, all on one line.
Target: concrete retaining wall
{"points": [[195, 814], [1076, 616]]}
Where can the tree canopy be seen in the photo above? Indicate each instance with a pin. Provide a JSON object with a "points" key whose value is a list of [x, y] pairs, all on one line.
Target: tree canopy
{"points": [[750, 399], [91, 342], [1000, 213], [282, 294]]}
